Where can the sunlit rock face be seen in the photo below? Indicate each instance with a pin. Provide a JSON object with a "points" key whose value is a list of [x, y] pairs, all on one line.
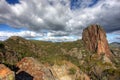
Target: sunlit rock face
{"points": [[31, 69], [94, 38], [6, 73]]}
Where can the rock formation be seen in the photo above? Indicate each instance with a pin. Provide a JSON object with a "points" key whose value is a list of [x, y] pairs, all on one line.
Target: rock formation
{"points": [[6, 73], [68, 71], [94, 38], [31, 69]]}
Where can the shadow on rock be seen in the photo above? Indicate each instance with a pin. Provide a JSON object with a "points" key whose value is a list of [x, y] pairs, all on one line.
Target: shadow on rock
{"points": [[23, 76]]}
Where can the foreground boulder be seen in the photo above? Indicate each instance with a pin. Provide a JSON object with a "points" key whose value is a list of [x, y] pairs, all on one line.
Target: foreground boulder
{"points": [[31, 69], [6, 73], [94, 38]]}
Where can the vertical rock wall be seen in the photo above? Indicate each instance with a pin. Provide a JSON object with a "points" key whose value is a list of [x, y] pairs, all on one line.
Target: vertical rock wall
{"points": [[94, 38]]}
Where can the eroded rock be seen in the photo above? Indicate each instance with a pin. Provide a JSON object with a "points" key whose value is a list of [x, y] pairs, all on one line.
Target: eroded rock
{"points": [[94, 38], [31, 69]]}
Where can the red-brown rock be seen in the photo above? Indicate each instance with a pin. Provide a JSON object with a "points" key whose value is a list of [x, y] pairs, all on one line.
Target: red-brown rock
{"points": [[94, 38], [31, 69], [6, 73]]}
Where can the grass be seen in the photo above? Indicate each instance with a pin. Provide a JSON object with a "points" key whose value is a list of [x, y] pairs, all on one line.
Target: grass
{"points": [[45, 52], [72, 71]]}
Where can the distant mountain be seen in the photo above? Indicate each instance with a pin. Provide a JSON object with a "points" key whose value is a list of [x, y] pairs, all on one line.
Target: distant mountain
{"points": [[115, 44], [115, 48]]}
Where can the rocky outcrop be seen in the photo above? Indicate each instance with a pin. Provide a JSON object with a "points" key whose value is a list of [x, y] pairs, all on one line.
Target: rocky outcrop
{"points": [[94, 38], [6, 73], [31, 69], [68, 71]]}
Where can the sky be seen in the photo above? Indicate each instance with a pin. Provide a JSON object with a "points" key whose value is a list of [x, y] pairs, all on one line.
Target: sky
{"points": [[58, 20]]}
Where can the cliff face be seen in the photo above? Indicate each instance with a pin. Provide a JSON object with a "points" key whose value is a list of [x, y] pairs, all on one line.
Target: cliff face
{"points": [[94, 38]]}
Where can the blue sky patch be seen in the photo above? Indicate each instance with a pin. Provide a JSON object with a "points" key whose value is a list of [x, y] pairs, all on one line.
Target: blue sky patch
{"points": [[76, 4], [93, 3], [12, 1], [4, 27]]}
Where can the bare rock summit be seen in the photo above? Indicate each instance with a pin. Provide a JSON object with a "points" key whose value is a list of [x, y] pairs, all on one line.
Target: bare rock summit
{"points": [[94, 38]]}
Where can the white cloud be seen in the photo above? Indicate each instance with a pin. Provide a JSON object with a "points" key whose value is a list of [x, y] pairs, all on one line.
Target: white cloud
{"points": [[57, 17], [50, 36], [26, 34], [112, 37], [58, 39]]}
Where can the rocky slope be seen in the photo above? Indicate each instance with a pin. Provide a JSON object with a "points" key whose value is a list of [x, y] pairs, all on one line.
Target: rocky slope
{"points": [[115, 44], [115, 47], [88, 58], [37, 71]]}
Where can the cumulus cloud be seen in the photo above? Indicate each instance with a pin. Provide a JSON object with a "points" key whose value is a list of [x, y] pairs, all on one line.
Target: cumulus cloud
{"points": [[113, 37], [57, 17], [26, 34], [58, 39], [49, 36]]}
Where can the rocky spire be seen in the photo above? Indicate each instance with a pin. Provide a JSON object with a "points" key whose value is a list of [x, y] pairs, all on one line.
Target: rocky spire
{"points": [[94, 38]]}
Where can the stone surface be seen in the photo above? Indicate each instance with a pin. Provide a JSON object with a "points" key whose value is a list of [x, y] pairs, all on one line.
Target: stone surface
{"points": [[94, 38], [31, 69], [63, 72], [6, 73]]}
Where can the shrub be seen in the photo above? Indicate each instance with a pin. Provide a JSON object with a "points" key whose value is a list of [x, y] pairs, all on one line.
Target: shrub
{"points": [[2, 45], [72, 71]]}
